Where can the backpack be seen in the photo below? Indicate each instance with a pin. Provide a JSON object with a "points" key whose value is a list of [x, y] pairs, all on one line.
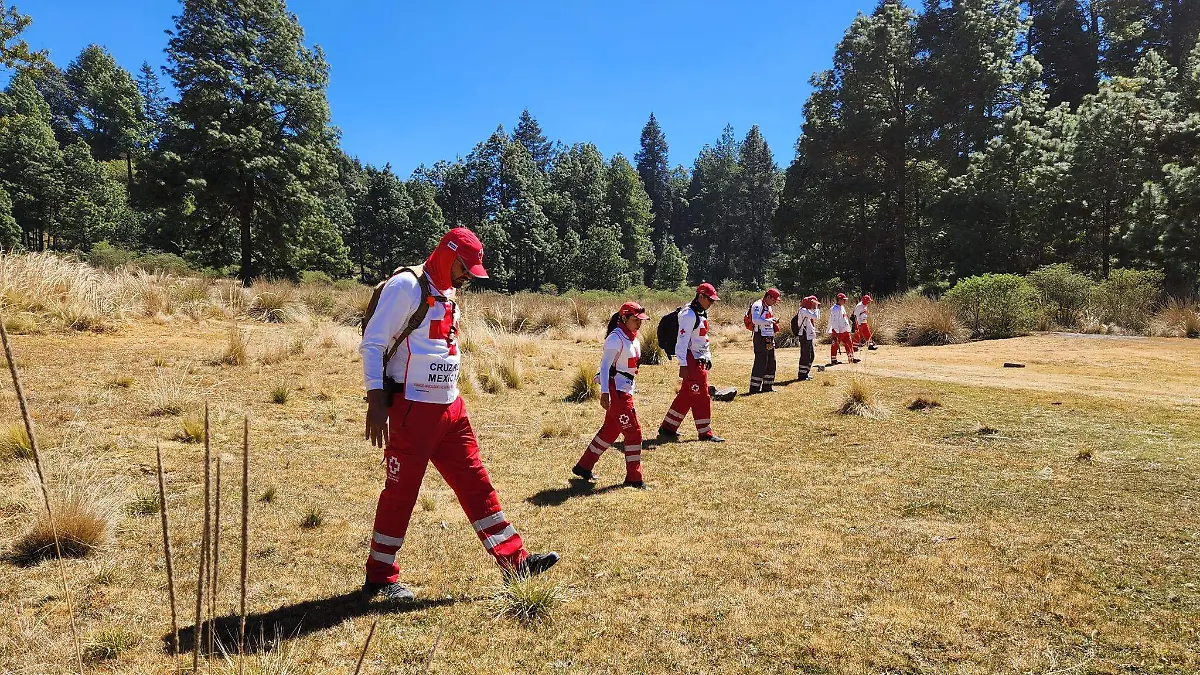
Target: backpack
{"points": [[796, 324], [418, 315], [748, 319], [668, 332]]}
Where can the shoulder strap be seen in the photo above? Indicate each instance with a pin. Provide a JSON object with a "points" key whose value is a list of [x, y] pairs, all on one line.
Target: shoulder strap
{"points": [[418, 315]]}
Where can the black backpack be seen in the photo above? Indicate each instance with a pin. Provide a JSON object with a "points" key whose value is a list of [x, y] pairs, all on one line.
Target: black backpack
{"points": [[668, 331], [796, 324]]}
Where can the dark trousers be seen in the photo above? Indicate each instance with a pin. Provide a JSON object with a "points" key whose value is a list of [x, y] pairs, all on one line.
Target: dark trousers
{"points": [[762, 377], [807, 355]]}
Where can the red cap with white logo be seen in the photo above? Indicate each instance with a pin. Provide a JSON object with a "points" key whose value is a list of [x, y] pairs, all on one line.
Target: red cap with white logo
{"points": [[706, 289], [468, 248]]}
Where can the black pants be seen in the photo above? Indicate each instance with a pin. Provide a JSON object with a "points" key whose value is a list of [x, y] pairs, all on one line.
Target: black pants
{"points": [[807, 355], [762, 377]]}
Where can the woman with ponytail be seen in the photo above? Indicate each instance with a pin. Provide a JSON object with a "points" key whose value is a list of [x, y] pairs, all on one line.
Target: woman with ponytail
{"points": [[618, 368]]}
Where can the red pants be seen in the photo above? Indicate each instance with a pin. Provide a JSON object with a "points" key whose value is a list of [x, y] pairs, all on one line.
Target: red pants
{"points": [[863, 334], [619, 420], [845, 341], [693, 396], [417, 434]]}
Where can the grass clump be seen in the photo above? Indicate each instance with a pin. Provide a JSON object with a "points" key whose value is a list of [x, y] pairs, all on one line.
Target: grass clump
{"points": [[924, 402], [236, 348], [510, 374], [1084, 455], [167, 397], [427, 503], [652, 354], [272, 306], [191, 430], [110, 643], [313, 518], [15, 443], [860, 400], [491, 382], [268, 496], [557, 429], [584, 386], [280, 394], [528, 599], [122, 382], [83, 523], [145, 503]]}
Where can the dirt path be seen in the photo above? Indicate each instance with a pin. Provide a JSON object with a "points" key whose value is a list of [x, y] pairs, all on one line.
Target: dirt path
{"points": [[1152, 369]]}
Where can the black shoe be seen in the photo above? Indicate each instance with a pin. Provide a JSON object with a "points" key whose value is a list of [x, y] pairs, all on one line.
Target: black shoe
{"points": [[533, 565], [636, 484], [394, 592], [583, 473], [872, 348], [855, 360], [804, 378], [668, 435], [712, 438], [834, 362]]}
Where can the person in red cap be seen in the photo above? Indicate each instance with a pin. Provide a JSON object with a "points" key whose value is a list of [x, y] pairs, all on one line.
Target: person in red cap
{"points": [[765, 325], [839, 327], [695, 360], [806, 319], [862, 326], [618, 370], [411, 358]]}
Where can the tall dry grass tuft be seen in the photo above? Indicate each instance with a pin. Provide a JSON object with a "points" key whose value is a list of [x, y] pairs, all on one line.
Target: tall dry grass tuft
{"points": [[583, 385], [237, 347], [510, 373], [860, 400], [652, 353], [15, 443], [491, 382], [528, 599], [83, 515], [917, 321], [1178, 318], [273, 303]]}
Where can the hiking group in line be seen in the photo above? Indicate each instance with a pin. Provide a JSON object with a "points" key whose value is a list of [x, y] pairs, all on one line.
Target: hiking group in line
{"points": [[411, 360]]}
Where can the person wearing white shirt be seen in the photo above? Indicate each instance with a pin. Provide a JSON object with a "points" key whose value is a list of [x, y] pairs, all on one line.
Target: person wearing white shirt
{"points": [[862, 325], [765, 325], [806, 320], [695, 360], [839, 327]]}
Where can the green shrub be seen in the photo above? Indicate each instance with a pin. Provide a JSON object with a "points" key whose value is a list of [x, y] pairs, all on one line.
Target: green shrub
{"points": [[107, 256], [316, 277], [995, 305], [164, 263], [1126, 296], [1065, 293]]}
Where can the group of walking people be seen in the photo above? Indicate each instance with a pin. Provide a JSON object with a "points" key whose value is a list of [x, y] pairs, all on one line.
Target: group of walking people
{"points": [[411, 360]]}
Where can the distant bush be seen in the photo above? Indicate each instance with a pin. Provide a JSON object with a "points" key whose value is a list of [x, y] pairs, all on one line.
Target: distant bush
{"points": [[107, 256], [995, 305], [163, 263], [316, 277], [1127, 296], [1065, 293]]}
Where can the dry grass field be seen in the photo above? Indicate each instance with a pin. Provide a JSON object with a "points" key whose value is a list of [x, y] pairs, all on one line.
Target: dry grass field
{"points": [[1036, 520]]}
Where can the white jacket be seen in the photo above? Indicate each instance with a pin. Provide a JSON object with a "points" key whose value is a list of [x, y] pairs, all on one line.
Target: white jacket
{"points": [[838, 323], [808, 322], [693, 338], [623, 354], [428, 360], [763, 319], [860, 313]]}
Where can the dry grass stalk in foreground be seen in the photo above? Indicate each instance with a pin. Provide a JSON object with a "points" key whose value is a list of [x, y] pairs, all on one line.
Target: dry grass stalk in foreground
{"points": [[167, 556], [37, 461], [198, 625], [245, 541], [215, 568], [860, 400], [363, 655]]}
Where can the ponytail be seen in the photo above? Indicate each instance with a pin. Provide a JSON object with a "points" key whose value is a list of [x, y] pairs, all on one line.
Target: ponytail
{"points": [[613, 321]]}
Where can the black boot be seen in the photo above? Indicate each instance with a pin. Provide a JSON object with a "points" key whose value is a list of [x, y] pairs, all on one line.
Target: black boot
{"points": [[533, 565], [712, 438], [668, 435], [583, 473], [391, 593], [636, 484]]}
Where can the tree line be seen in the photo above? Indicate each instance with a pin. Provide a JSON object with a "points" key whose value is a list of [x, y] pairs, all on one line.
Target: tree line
{"points": [[950, 139]]}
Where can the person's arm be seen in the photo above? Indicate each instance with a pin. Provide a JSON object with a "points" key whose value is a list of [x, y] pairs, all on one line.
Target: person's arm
{"points": [[757, 315], [612, 351], [687, 321], [397, 302]]}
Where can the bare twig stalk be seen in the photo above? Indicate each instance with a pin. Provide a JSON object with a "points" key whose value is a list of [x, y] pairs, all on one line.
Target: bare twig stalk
{"points": [[433, 650], [366, 644], [216, 559], [166, 532], [37, 462], [200, 576], [245, 541]]}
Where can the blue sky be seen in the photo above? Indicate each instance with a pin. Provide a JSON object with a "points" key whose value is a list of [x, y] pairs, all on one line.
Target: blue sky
{"points": [[414, 82]]}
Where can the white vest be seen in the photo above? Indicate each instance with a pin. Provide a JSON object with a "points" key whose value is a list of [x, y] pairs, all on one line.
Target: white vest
{"points": [[427, 362], [623, 354]]}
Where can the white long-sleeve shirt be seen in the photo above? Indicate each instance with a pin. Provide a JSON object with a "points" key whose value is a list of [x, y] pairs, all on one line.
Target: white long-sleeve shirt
{"points": [[624, 355], [860, 312], [763, 319], [428, 357], [808, 322], [838, 323], [692, 344]]}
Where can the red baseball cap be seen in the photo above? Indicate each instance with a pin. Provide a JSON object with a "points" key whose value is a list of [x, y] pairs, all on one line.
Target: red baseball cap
{"points": [[635, 310], [866, 299], [841, 296], [468, 248], [814, 301], [773, 293], [706, 289]]}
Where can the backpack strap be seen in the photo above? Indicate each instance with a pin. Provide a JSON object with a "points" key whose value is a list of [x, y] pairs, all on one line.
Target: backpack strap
{"points": [[428, 298]]}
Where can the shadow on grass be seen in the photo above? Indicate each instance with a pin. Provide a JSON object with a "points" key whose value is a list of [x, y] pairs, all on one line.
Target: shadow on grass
{"points": [[264, 631], [576, 488]]}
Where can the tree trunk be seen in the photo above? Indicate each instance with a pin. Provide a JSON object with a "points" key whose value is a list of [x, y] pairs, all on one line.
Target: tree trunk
{"points": [[129, 169], [247, 217]]}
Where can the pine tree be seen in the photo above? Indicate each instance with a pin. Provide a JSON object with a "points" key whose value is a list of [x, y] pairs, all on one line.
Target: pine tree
{"points": [[757, 196], [31, 163], [95, 207], [110, 107], [254, 134], [655, 172], [154, 104], [52, 84], [532, 237], [712, 197], [629, 208], [577, 205], [15, 52], [10, 232], [1066, 42], [383, 215], [671, 273], [530, 135]]}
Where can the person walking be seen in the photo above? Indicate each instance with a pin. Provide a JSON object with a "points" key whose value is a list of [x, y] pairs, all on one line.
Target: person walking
{"points": [[862, 326], [839, 327], [765, 326], [618, 370], [411, 358], [695, 360], [807, 317]]}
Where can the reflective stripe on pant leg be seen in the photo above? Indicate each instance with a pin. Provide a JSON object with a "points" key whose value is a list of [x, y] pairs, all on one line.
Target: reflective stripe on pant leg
{"points": [[701, 403], [457, 459], [678, 410]]}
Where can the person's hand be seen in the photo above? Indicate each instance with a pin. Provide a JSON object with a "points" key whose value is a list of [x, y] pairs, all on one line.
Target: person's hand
{"points": [[683, 371], [377, 418], [605, 401]]}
